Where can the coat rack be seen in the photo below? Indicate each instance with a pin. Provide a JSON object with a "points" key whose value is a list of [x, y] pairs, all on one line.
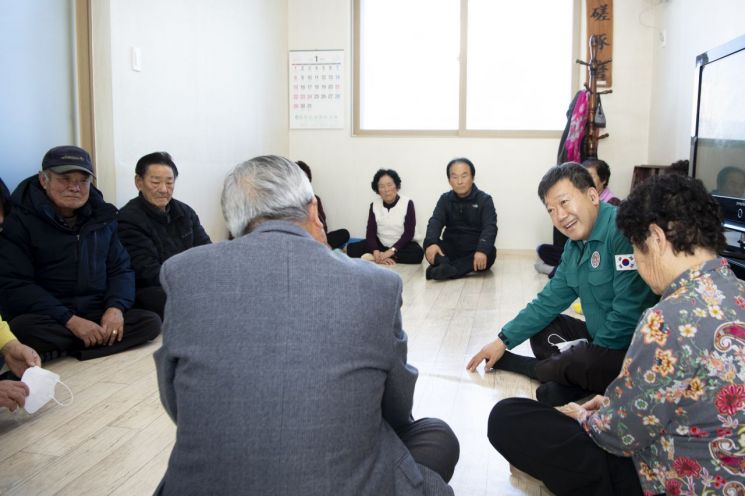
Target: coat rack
{"points": [[592, 128]]}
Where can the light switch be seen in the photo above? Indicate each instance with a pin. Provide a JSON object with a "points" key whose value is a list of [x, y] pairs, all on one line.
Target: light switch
{"points": [[136, 59]]}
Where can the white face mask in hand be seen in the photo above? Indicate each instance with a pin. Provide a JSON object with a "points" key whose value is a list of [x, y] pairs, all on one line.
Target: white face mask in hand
{"points": [[41, 385]]}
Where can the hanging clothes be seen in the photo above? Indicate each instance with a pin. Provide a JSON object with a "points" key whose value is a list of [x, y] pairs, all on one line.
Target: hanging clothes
{"points": [[561, 156], [599, 115], [571, 147]]}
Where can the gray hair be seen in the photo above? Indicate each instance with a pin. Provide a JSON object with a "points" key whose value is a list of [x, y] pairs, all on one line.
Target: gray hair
{"points": [[264, 188]]}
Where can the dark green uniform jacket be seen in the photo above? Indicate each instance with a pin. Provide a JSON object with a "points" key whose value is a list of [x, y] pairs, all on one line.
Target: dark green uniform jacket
{"points": [[612, 299]]}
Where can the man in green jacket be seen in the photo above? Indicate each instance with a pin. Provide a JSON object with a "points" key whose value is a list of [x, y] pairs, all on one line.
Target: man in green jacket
{"points": [[575, 358]]}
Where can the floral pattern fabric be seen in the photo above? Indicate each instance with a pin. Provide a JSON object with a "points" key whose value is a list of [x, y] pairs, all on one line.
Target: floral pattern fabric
{"points": [[678, 405]]}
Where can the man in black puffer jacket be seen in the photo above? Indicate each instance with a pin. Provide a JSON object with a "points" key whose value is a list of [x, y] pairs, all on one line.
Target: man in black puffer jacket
{"points": [[155, 226], [470, 223], [66, 284]]}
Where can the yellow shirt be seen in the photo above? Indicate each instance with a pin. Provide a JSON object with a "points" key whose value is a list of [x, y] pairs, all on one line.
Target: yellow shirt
{"points": [[5, 335]]}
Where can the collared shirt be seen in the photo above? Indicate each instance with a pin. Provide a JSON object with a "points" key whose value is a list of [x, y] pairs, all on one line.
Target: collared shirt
{"points": [[678, 406], [613, 298]]}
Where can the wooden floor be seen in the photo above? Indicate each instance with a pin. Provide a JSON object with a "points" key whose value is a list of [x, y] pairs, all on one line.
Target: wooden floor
{"points": [[115, 438]]}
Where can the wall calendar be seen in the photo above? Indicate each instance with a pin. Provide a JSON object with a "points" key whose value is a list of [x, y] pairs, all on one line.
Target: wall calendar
{"points": [[316, 84]]}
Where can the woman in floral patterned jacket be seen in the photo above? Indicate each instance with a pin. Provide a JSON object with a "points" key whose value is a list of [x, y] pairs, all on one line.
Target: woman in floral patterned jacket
{"points": [[674, 420]]}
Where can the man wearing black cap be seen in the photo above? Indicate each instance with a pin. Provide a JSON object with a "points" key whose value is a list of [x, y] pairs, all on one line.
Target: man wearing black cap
{"points": [[66, 284]]}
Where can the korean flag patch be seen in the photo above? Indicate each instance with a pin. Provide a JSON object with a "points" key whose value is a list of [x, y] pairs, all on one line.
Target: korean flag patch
{"points": [[625, 262]]}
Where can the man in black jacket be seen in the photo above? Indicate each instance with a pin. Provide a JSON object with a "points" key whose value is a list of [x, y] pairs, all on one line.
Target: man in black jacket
{"points": [[470, 223], [155, 226], [66, 285]]}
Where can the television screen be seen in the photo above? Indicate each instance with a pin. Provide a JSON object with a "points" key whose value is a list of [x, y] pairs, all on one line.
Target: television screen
{"points": [[718, 142]]}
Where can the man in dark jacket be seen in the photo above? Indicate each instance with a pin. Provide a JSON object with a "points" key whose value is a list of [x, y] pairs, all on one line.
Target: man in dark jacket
{"points": [[154, 226], [470, 223], [65, 280]]}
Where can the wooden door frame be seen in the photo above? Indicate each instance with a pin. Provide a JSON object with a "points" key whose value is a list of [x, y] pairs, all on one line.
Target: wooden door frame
{"points": [[83, 94]]}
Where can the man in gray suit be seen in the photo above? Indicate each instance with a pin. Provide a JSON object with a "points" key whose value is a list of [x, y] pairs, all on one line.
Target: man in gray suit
{"points": [[284, 364]]}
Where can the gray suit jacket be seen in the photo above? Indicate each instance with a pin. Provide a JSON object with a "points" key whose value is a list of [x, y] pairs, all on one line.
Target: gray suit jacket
{"points": [[284, 368]]}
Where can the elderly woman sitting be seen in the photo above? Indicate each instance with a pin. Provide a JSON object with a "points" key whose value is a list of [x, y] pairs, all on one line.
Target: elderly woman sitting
{"points": [[672, 422], [390, 225], [600, 172]]}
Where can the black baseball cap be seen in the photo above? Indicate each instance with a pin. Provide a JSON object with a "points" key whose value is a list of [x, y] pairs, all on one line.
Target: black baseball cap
{"points": [[61, 159]]}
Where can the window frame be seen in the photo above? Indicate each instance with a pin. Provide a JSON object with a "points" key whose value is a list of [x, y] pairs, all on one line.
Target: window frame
{"points": [[462, 131]]}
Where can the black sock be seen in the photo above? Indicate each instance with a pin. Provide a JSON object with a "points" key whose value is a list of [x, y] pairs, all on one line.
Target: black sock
{"points": [[517, 363], [442, 271]]}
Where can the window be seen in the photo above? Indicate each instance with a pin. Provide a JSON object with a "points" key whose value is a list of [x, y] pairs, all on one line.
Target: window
{"points": [[516, 74]]}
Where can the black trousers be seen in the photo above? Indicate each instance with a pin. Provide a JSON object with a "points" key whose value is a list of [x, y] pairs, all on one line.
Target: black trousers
{"points": [[412, 253], [51, 339], [457, 262], [153, 299], [550, 254], [337, 239], [582, 370], [433, 444], [548, 445]]}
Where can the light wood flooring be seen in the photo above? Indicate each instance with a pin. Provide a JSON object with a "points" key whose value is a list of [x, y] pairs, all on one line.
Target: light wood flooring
{"points": [[115, 438]]}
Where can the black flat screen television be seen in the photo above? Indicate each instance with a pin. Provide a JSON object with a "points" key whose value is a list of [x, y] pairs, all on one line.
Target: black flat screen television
{"points": [[718, 135]]}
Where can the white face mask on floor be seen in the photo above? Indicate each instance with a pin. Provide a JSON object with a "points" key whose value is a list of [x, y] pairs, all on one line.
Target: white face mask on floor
{"points": [[41, 384], [564, 345]]}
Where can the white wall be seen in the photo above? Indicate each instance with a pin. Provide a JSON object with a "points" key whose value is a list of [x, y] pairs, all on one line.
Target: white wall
{"points": [[509, 169], [691, 27], [212, 92], [37, 108]]}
